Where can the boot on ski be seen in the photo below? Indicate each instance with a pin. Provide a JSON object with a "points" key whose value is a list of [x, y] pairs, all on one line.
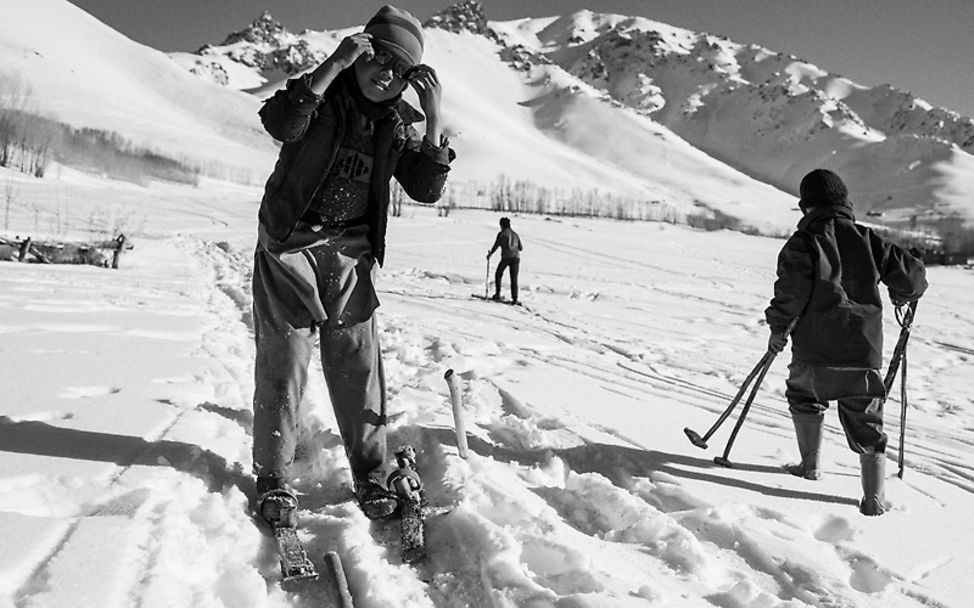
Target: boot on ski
{"points": [[279, 508], [375, 501]]}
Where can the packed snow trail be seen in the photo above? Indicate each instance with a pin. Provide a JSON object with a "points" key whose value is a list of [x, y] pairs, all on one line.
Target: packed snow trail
{"points": [[125, 438]]}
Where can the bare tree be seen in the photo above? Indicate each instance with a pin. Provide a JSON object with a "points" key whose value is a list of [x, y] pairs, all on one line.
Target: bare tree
{"points": [[10, 192]]}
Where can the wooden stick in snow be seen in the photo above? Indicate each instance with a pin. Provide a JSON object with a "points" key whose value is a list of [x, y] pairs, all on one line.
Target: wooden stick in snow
{"points": [[456, 399]]}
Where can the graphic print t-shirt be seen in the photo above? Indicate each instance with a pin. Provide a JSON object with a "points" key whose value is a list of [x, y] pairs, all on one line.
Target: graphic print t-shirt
{"points": [[344, 196]]}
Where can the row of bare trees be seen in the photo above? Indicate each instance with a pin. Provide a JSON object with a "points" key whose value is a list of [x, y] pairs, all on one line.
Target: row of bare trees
{"points": [[29, 142], [507, 195], [24, 146]]}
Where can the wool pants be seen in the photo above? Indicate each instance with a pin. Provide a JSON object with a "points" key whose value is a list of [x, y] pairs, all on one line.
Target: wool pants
{"points": [[858, 392], [334, 307]]}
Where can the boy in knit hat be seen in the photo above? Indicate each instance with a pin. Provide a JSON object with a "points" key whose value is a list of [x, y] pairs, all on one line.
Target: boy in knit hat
{"points": [[828, 280], [345, 133]]}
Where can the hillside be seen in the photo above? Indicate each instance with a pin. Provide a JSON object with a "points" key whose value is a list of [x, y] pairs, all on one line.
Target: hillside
{"points": [[770, 115], [650, 89], [90, 76]]}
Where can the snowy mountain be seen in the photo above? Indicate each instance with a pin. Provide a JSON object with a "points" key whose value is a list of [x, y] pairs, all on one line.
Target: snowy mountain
{"points": [[589, 79], [727, 98]]}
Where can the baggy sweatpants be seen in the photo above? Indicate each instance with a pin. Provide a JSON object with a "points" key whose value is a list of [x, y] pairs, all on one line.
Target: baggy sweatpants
{"points": [[859, 394], [287, 323]]}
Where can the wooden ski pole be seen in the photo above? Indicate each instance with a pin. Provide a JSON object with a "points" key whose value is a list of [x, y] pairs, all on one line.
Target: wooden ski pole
{"points": [[487, 280], [899, 456], [701, 442], [456, 400], [897, 360], [724, 460], [343, 596]]}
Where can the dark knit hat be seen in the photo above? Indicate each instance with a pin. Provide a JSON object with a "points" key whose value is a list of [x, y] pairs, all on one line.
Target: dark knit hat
{"points": [[823, 188], [399, 32]]}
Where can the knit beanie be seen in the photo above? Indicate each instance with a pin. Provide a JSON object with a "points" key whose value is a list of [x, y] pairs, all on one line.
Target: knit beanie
{"points": [[823, 188], [398, 32]]}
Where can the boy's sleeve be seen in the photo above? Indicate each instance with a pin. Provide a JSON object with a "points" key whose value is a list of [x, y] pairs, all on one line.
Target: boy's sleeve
{"points": [[903, 273], [793, 287], [287, 114], [423, 167]]}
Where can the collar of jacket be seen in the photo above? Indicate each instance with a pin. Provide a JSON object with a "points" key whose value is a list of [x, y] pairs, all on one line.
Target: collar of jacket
{"points": [[821, 214]]}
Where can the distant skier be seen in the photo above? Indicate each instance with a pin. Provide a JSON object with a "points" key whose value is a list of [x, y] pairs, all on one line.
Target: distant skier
{"points": [[345, 132], [829, 271], [510, 245]]}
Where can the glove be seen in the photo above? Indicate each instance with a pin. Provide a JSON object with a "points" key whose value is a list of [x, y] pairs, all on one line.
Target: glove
{"points": [[489, 253], [777, 342]]}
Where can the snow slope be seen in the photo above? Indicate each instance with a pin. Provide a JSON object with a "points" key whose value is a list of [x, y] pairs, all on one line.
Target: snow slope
{"points": [[89, 75], [537, 125], [545, 126], [124, 429]]}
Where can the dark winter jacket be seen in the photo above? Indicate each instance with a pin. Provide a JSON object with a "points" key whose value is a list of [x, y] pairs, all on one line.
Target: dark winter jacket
{"points": [[828, 278], [509, 243], [311, 128]]}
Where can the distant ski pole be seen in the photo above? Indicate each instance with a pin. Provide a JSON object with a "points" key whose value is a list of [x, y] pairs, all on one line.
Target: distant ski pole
{"points": [[487, 280], [701, 442], [456, 400], [898, 360]]}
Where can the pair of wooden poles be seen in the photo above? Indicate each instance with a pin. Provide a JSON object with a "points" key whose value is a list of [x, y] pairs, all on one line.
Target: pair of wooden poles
{"points": [[904, 316]]}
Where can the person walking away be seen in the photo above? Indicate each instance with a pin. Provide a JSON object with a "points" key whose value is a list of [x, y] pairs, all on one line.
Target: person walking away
{"points": [[345, 133], [828, 279], [509, 243]]}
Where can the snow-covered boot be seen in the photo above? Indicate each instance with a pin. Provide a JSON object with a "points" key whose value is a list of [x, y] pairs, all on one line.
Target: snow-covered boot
{"points": [[808, 430], [279, 508], [376, 501], [873, 475]]}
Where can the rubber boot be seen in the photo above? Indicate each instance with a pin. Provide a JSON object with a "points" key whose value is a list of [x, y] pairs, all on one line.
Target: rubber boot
{"points": [[873, 475], [808, 430]]}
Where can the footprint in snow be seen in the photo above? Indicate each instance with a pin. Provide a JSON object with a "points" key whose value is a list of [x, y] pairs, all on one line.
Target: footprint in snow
{"points": [[834, 529], [867, 576]]}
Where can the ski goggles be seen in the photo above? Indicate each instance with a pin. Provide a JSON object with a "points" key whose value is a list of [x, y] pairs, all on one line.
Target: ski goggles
{"points": [[398, 67]]}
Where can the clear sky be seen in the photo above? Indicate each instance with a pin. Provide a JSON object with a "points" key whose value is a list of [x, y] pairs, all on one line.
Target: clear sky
{"points": [[923, 46]]}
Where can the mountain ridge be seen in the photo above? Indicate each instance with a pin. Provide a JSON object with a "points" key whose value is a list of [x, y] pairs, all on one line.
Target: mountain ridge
{"points": [[900, 154]]}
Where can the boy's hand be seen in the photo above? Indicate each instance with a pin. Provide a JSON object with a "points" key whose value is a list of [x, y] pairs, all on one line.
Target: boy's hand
{"points": [[777, 342], [424, 81], [350, 49]]}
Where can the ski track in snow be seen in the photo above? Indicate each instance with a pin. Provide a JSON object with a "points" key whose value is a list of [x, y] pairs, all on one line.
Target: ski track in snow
{"points": [[550, 509]]}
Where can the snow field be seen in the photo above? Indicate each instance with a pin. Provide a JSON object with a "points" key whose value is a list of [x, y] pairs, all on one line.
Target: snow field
{"points": [[125, 433]]}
